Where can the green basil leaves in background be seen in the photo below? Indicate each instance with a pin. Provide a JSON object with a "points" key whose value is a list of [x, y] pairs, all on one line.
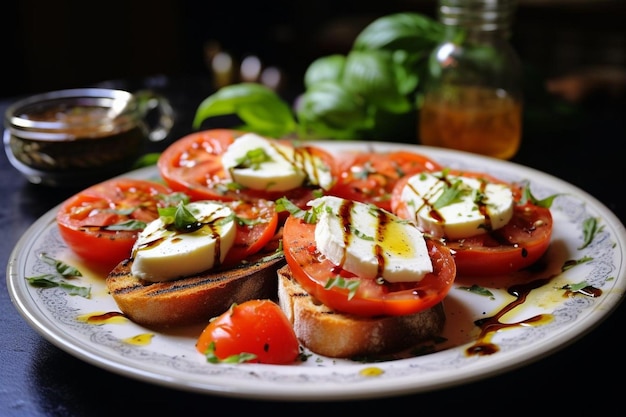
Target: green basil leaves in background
{"points": [[260, 109], [362, 95]]}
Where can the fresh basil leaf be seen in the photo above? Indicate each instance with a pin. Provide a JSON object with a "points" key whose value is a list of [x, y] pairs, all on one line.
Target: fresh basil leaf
{"points": [[269, 117], [254, 158], [451, 194], [326, 68], [330, 110], [338, 281], [66, 270], [477, 289], [62, 270], [412, 32], [128, 225], [528, 197], [372, 74], [590, 229], [84, 292], [184, 220], [408, 71], [51, 281], [259, 107], [44, 281], [242, 357]]}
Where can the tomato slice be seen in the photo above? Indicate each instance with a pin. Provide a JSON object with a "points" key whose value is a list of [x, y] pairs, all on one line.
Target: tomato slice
{"points": [[516, 246], [86, 219], [371, 299], [256, 226], [256, 331], [193, 164], [369, 177]]}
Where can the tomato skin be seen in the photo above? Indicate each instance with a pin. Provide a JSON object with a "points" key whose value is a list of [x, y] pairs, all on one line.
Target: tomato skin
{"points": [[258, 327], [252, 237], [193, 165], [529, 235], [516, 246], [369, 177], [371, 299], [188, 164], [81, 218]]}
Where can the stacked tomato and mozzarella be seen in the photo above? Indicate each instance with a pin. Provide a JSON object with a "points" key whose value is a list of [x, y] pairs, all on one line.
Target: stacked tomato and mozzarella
{"points": [[455, 207], [372, 243], [251, 162]]}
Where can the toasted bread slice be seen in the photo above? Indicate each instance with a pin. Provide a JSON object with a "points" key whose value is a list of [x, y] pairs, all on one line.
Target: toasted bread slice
{"points": [[194, 299], [337, 335]]}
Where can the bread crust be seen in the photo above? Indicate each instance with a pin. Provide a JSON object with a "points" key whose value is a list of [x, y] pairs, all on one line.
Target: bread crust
{"points": [[195, 299], [337, 335]]}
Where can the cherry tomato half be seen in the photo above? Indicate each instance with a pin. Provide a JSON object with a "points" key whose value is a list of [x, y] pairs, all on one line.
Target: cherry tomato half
{"points": [[101, 223], [193, 164], [369, 177], [515, 246], [371, 298], [255, 331]]}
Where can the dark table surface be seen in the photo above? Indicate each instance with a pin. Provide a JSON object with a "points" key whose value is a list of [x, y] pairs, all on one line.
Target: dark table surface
{"points": [[39, 379]]}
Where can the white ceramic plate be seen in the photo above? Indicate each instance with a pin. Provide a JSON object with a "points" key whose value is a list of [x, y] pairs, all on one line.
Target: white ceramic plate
{"points": [[170, 359]]}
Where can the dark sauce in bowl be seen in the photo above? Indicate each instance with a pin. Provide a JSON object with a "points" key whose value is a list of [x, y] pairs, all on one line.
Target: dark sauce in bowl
{"points": [[74, 141]]}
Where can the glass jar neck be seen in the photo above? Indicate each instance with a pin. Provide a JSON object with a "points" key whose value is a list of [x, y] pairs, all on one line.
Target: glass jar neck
{"points": [[478, 17]]}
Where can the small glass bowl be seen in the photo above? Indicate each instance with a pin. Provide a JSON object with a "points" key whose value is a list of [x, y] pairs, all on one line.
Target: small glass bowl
{"points": [[78, 137]]}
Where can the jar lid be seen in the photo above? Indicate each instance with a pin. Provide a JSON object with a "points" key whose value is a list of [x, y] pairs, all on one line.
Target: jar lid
{"points": [[485, 15]]}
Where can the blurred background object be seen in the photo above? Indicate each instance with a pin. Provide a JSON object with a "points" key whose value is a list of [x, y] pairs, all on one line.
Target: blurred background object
{"points": [[589, 82], [61, 44]]}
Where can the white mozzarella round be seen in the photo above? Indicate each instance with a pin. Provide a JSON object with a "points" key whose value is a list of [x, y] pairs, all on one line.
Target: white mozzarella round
{"points": [[370, 242], [162, 253], [477, 207]]}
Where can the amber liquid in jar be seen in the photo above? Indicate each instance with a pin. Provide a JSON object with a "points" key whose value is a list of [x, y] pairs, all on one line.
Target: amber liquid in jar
{"points": [[473, 119]]}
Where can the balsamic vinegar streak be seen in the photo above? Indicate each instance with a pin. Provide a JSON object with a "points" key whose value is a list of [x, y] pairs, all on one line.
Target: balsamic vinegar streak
{"points": [[489, 326]]}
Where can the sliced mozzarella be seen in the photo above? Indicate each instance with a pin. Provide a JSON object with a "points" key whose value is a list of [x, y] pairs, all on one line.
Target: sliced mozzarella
{"points": [[162, 253], [262, 164], [478, 208], [370, 242]]}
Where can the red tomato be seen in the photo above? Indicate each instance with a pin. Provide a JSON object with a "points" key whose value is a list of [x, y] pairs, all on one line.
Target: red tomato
{"points": [[369, 177], [85, 220], [515, 246], [256, 331], [371, 298], [256, 226], [193, 164]]}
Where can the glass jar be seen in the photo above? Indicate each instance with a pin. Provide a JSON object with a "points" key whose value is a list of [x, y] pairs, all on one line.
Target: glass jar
{"points": [[472, 93]]}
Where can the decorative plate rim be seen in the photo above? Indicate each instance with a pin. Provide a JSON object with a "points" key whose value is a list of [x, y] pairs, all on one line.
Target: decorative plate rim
{"points": [[172, 361]]}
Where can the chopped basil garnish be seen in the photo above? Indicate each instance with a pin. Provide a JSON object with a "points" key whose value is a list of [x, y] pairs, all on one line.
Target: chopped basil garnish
{"points": [[451, 194], [238, 358], [338, 281], [590, 230], [477, 289], [309, 216], [180, 218], [56, 279], [527, 196], [127, 225], [254, 158]]}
